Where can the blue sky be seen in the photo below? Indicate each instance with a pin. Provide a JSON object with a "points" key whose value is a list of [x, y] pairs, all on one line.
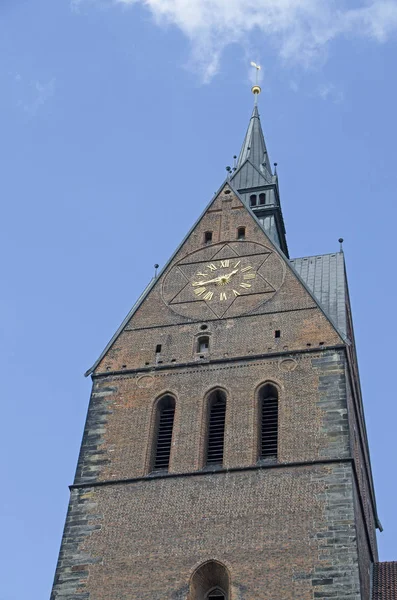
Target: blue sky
{"points": [[117, 121]]}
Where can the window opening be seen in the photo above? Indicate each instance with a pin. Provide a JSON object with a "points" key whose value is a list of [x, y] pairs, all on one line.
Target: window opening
{"points": [[253, 200], [277, 333], [262, 198], [165, 420], [241, 233], [203, 344], [208, 237], [158, 348], [269, 422], [216, 595], [216, 428]]}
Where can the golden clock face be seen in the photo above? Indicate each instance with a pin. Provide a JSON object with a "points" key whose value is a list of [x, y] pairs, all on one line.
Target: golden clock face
{"points": [[223, 280]]}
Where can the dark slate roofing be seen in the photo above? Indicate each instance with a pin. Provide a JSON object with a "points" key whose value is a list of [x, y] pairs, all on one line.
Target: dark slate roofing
{"points": [[254, 147], [249, 176], [385, 581], [325, 277]]}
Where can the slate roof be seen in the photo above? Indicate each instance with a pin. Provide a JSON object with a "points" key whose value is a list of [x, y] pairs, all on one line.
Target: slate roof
{"points": [[254, 147], [385, 581], [324, 275]]}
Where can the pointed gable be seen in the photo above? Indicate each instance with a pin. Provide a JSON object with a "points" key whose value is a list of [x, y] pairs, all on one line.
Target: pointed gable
{"points": [[262, 282], [248, 176]]}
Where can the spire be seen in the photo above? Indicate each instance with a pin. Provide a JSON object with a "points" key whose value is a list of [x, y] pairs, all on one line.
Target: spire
{"points": [[253, 178], [254, 147]]}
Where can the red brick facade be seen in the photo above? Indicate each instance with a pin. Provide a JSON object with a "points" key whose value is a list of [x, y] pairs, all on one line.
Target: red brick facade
{"points": [[300, 527]]}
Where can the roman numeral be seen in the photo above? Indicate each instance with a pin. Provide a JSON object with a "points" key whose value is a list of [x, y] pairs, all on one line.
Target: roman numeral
{"points": [[236, 293], [201, 274], [211, 267], [245, 285], [225, 263], [246, 269], [200, 291], [208, 296], [222, 296], [250, 276], [237, 264]]}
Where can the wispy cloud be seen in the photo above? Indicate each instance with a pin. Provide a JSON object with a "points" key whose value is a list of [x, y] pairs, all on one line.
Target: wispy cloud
{"points": [[34, 95], [299, 30]]}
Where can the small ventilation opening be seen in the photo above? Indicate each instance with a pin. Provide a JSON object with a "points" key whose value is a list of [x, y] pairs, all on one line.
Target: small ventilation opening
{"points": [[158, 348], [208, 237], [277, 333], [216, 596], [262, 198], [269, 421], [253, 200], [165, 423], [203, 344], [216, 428], [241, 233]]}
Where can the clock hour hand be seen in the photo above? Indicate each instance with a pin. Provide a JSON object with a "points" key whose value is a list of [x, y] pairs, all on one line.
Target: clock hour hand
{"points": [[219, 279], [196, 283]]}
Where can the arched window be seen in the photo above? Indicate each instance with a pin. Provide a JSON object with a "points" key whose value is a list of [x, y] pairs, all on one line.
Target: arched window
{"points": [[208, 237], [216, 427], [165, 412], [203, 344], [268, 402], [262, 198], [210, 582], [253, 200], [216, 595], [241, 233]]}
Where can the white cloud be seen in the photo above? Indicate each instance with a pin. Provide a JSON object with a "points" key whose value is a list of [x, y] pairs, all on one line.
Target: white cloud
{"points": [[300, 30], [35, 95], [328, 91]]}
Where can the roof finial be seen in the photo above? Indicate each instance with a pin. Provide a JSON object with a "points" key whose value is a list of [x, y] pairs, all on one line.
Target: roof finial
{"points": [[156, 266], [341, 244], [256, 89]]}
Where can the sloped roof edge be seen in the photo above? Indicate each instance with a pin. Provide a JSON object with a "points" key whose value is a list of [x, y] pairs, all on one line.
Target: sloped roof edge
{"points": [[154, 280]]}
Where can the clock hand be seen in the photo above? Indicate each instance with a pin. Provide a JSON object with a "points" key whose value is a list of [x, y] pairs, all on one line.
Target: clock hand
{"points": [[195, 283], [216, 280], [230, 274]]}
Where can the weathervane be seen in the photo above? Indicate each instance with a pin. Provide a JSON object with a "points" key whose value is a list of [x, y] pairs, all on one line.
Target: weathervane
{"points": [[256, 89]]}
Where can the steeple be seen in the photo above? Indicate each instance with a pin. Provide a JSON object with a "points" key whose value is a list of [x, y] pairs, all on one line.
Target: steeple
{"points": [[256, 183], [254, 147]]}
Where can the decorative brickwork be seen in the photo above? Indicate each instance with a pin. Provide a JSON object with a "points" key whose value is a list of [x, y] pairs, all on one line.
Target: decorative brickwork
{"points": [[297, 524]]}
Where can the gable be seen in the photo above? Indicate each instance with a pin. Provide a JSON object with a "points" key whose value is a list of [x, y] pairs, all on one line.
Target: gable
{"points": [[264, 282], [248, 176]]}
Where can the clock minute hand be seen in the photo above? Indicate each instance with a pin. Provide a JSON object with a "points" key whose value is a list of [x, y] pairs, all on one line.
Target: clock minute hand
{"points": [[230, 274]]}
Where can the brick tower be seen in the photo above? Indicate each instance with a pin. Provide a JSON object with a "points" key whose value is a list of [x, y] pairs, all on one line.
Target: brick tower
{"points": [[225, 453]]}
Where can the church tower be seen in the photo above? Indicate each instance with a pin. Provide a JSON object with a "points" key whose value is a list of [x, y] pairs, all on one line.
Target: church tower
{"points": [[225, 453]]}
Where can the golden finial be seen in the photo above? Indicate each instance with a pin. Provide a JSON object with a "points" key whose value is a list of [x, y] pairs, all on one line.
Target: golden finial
{"points": [[256, 89]]}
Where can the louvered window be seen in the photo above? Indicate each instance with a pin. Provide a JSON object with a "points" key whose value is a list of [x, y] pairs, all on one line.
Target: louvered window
{"points": [[216, 428], [216, 595], [269, 422], [165, 423]]}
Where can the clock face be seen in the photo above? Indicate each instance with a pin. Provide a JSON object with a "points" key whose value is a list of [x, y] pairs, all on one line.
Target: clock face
{"points": [[223, 280]]}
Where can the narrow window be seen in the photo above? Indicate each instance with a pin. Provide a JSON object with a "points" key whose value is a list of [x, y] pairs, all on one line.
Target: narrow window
{"points": [[158, 348], [203, 344], [241, 233], [216, 428], [164, 426], [216, 595], [253, 200], [269, 421], [208, 237], [262, 198], [277, 333]]}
